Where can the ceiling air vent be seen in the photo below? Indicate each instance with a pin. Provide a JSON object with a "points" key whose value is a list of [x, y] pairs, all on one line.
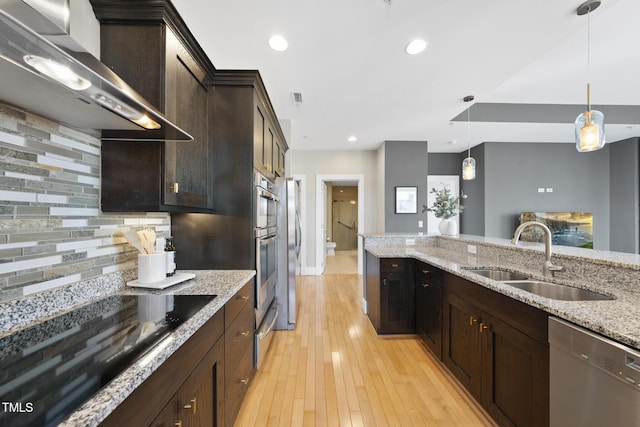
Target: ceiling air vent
{"points": [[296, 98]]}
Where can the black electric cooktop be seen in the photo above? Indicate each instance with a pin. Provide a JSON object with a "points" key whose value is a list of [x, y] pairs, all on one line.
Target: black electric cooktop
{"points": [[49, 370]]}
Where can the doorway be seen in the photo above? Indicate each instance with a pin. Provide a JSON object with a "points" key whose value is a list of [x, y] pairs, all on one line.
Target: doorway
{"points": [[343, 217], [350, 216]]}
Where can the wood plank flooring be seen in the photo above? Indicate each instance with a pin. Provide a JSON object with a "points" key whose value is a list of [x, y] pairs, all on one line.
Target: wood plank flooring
{"points": [[334, 370]]}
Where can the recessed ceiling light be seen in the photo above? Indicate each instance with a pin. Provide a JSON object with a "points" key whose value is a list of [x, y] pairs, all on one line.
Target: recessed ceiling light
{"points": [[352, 139], [278, 43], [416, 46]]}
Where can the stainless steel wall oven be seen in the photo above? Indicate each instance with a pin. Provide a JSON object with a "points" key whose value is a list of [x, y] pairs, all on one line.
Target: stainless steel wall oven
{"points": [[265, 207], [266, 203]]}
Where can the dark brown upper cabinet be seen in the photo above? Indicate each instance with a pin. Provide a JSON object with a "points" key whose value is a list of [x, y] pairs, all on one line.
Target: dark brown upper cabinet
{"points": [[149, 46]]}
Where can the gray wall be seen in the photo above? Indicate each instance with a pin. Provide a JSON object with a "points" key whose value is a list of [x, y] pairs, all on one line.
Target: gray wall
{"points": [[514, 172], [405, 165], [472, 219], [624, 191], [444, 164]]}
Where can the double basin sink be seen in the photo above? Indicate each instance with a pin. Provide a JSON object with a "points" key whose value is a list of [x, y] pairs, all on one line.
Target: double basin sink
{"points": [[538, 287]]}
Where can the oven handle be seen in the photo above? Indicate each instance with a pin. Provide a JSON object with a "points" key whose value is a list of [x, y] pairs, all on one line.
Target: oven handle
{"points": [[267, 239], [267, 195], [264, 331]]}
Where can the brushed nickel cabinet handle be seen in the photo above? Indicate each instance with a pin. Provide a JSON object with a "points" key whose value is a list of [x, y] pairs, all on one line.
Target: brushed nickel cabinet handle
{"points": [[394, 265], [244, 297], [244, 380], [193, 406], [178, 423], [426, 271], [483, 327], [245, 333], [175, 187], [384, 282], [472, 320], [426, 285]]}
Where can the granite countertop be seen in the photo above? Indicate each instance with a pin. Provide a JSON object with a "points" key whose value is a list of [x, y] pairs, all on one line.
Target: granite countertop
{"points": [[618, 319], [223, 283]]}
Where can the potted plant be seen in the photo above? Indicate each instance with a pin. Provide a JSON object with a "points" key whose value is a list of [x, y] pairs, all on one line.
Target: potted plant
{"points": [[445, 206]]}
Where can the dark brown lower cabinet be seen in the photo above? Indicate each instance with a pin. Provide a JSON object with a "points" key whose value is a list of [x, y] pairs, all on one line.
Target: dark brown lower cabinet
{"points": [[196, 402], [391, 294], [497, 348]]}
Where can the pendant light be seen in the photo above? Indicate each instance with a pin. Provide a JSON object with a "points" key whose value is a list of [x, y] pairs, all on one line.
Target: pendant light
{"points": [[468, 164], [589, 126]]}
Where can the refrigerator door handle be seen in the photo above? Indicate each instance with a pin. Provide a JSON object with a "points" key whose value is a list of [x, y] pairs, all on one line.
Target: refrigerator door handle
{"points": [[298, 235]]}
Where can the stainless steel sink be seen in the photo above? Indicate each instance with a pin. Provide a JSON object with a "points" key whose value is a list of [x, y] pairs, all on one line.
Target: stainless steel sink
{"points": [[538, 287], [496, 274], [555, 291]]}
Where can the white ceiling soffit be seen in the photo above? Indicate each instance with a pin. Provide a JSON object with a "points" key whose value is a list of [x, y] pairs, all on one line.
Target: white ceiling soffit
{"points": [[348, 59]]}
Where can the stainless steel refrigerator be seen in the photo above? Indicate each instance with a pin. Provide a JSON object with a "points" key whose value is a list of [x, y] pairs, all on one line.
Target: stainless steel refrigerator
{"points": [[288, 253]]}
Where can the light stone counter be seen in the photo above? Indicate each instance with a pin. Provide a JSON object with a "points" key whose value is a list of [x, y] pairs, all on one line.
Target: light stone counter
{"points": [[609, 273], [18, 314]]}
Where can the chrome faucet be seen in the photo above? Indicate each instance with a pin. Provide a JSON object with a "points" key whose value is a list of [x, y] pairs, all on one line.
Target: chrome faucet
{"points": [[548, 265]]}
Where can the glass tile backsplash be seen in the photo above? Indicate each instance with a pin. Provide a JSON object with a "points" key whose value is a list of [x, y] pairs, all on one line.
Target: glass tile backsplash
{"points": [[52, 231]]}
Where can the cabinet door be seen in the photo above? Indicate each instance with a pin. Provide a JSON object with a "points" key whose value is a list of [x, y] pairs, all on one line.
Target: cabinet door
{"points": [[515, 372], [278, 158], [397, 296], [461, 344], [201, 397], [429, 316], [186, 174], [268, 150], [429, 306], [169, 416], [260, 138]]}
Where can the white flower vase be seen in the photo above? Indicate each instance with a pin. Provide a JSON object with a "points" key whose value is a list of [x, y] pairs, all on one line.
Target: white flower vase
{"points": [[452, 228], [443, 226], [448, 227]]}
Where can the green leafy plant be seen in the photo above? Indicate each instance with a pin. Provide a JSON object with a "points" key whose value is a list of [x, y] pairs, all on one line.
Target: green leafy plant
{"points": [[446, 204]]}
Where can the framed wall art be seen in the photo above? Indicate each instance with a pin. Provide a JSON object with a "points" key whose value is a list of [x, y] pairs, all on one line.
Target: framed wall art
{"points": [[406, 200]]}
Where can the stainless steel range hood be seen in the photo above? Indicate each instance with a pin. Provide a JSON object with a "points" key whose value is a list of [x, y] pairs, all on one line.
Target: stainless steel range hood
{"points": [[42, 75]]}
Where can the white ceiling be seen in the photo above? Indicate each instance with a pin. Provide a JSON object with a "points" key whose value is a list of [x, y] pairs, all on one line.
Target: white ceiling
{"points": [[347, 59]]}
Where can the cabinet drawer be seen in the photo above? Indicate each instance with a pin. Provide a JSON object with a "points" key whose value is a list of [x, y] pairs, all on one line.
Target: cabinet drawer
{"points": [[236, 386], [427, 274], [239, 338], [237, 303], [391, 265]]}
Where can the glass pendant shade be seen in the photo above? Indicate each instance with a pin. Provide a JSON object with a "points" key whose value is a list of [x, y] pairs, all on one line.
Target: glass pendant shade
{"points": [[590, 131], [469, 169]]}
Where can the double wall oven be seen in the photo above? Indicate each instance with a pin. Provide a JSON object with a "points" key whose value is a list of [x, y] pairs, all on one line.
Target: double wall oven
{"points": [[265, 209]]}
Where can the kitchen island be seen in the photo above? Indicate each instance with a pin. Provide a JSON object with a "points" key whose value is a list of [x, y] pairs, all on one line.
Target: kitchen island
{"points": [[461, 296], [610, 273], [40, 309]]}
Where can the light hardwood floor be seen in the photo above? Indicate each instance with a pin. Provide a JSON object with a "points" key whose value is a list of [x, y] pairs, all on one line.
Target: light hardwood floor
{"points": [[334, 370]]}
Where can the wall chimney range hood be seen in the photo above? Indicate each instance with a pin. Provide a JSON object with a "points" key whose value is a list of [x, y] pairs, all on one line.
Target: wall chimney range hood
{"points": [[45, 72]]}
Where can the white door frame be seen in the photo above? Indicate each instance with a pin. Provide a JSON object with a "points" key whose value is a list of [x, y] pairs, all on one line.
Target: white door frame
{"points": [[321, 211]]}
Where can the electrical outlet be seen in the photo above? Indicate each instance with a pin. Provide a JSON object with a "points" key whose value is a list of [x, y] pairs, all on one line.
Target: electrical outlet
{"points": [[410, 242], [420, 224], [471, 249]]}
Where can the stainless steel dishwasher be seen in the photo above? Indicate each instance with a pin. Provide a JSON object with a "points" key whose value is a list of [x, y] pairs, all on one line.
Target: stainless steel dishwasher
{"points": [[594, 381]]}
